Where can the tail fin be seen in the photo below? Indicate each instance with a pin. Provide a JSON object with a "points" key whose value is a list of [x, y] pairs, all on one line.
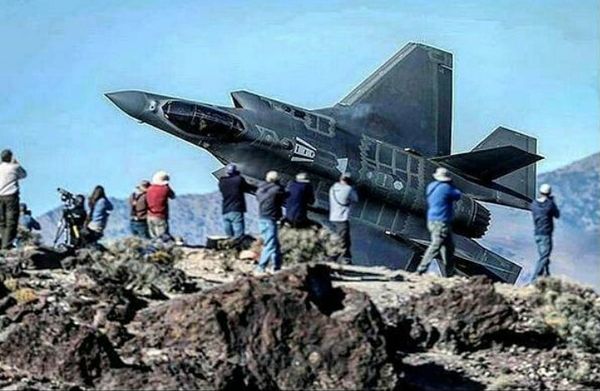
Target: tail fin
{"points": [[407, 102], [523, 180]]}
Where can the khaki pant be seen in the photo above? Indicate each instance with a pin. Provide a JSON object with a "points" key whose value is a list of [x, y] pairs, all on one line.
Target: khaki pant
{"points": [[442, 246], [158, 228]]}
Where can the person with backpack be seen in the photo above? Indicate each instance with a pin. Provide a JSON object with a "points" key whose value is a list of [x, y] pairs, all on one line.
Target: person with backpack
{"points": [[139, 211]]}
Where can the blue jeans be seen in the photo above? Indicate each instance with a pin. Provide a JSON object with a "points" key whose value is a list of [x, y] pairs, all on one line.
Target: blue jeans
{"points": [[233, 224], [544, 245], [271, 249], [139, 228]]}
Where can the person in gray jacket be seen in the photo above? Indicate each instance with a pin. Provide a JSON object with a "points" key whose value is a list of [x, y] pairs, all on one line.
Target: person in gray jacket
{"points": [[10, 174], [341, 197]]}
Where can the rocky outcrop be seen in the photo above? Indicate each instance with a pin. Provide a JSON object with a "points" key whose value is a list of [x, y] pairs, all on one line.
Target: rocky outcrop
{"points": [[142, 316], [290, 331]]}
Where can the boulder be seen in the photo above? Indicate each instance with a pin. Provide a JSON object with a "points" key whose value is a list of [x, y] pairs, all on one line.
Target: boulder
{"points": [[289, 331]]}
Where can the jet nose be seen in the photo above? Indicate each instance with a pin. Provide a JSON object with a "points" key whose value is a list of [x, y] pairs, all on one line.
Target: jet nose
{"points": [[131, 102]]}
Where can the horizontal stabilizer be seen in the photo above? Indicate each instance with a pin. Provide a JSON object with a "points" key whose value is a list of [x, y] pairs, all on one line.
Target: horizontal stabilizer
{"points": [[471, 258], [489, 164], [521, 181]]}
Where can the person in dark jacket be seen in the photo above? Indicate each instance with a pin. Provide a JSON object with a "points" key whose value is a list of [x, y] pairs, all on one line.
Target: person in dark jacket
{"points": [[441, 196], [232, 187], [139, 211], [300, 195], [270, 196], [544, 211]]}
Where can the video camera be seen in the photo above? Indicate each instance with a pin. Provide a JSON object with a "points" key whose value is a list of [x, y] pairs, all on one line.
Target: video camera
{"points": [[72, 219]]}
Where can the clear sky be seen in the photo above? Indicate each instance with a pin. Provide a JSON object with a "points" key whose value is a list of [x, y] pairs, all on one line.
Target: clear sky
{"points": [[529, 65]]}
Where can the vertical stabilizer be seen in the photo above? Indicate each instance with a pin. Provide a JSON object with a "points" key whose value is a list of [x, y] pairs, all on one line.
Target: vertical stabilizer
{"points": [[407, 102]]}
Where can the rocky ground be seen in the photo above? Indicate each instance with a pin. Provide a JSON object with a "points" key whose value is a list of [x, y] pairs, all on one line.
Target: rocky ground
{"points": [[145, 316]]}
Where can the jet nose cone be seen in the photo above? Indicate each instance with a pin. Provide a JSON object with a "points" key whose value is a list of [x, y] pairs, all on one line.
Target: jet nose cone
{"points": [[131, 102]]}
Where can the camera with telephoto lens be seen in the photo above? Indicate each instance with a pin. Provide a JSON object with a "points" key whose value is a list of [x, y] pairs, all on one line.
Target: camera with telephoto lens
{"points": [[72, 220]]}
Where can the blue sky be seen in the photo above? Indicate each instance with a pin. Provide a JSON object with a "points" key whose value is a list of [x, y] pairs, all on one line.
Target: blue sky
{"points": [[529, 65]]}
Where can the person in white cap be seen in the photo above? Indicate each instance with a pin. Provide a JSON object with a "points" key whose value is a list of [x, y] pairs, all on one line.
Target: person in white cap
{"points": [[157, 199], [270, 196], [441, 195], [544, 211]]}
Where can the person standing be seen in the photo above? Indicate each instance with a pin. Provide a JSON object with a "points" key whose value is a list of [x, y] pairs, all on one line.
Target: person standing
{"points": [[300, 195], [270, 196], [157, 197], [341, 197], [139, 210], [100, 208], [441, 195], [10, 174], [544, 211], [232, 188]]}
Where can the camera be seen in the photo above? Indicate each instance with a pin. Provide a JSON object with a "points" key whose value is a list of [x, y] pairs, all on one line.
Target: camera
{"points": [[72, 220]]}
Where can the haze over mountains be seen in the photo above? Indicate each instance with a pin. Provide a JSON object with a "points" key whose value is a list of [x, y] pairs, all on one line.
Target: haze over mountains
{"points": [[577, 240]]}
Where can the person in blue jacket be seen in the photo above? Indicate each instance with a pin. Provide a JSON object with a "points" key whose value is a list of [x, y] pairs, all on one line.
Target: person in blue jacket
{"points": [[441, 196], [544, 211], [100, 208]]}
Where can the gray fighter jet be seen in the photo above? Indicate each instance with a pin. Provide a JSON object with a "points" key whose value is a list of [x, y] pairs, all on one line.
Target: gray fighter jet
{"points": [[391, 132]]}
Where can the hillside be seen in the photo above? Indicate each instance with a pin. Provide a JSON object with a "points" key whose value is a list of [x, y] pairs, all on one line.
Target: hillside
{"points": [[576, 186]]}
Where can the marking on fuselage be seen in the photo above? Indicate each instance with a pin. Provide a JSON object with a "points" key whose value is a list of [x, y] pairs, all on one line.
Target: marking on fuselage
{"points": [[342, 165], [303, 152]]}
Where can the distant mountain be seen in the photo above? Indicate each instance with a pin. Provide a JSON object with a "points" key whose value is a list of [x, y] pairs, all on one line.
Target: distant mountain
{"points": [[192, 217], [576, 253], [577, 243]]}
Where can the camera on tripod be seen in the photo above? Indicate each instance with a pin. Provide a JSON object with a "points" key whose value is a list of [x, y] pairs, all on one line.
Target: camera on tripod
{"points": [[68, 232]]}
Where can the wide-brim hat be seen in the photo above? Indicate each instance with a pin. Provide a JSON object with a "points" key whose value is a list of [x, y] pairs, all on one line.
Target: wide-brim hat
{"points": [[160, 178], [441, 174], [144, 185]]}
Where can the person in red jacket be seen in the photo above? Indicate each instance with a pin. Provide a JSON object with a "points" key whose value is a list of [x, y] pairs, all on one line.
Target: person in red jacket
{"points": [[157, 198]]}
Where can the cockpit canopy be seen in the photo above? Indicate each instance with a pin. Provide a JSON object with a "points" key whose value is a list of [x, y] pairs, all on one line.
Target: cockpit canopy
{"points": [[202, 121]]}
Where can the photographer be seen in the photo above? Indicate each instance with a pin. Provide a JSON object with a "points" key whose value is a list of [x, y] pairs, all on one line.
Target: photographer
{"points": [[100, 208], [10, 174]]}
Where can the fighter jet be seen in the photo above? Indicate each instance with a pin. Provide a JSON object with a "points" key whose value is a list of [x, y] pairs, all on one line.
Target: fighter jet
{"points": [[391, 133]]}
